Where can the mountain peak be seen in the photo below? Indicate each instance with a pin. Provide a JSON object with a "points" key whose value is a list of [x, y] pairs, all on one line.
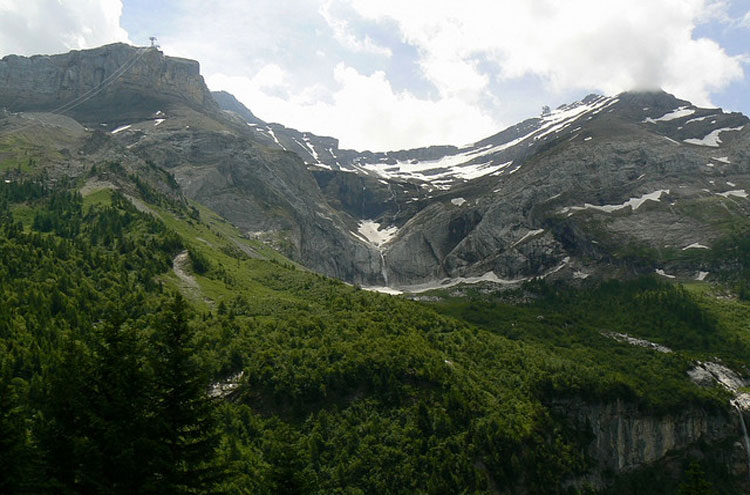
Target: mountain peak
{"points": [[229, 102], [655, 99], [116, 80]]}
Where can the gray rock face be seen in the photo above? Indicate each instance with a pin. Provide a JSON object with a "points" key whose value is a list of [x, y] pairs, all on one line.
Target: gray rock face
{"points": [[157, 110], [112, 82], [229, 103], [625, 439], [598, 186], [269, 194]]}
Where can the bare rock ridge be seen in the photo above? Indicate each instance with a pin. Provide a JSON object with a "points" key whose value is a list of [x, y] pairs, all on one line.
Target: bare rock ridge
{"points": [[229, 103], [115, 80], [146, 110]]}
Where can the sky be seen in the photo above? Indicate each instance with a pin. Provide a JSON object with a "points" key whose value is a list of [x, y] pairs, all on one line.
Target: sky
{"points": [[395, 74]]}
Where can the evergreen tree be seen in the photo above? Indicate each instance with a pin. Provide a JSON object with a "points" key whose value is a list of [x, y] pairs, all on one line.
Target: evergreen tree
{"points": [[184, 424], [695, 482], [63, 429], [98, 439], [122, 411], [16, 455]]}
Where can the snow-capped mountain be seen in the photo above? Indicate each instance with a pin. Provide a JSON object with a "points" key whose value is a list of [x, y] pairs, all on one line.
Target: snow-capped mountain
{"points": [[438, 166], [444, 167], [635, 183], [556, 195]]}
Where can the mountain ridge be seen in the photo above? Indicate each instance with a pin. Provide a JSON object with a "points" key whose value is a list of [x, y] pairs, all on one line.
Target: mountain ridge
{"points": [[557, 195]]}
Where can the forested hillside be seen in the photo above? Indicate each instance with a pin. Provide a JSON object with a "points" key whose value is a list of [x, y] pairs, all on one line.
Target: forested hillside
{"points": [[126, 370]]}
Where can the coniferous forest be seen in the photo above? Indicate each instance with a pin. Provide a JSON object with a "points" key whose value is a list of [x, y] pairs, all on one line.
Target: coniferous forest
{"points": [[279, 380]]}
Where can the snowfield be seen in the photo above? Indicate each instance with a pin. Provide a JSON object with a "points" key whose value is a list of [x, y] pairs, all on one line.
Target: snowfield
{"points": [[712, 140], [373, 233]]}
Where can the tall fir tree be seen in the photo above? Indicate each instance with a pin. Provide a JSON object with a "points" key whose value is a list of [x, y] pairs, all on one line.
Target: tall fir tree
{"points": [[17, 455], [695, 482], [122, 411], [185, 424]]}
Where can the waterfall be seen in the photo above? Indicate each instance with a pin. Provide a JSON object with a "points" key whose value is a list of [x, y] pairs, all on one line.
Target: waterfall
{"points": [[744, 433], [395, 201], [383, 268], [363, 202]]}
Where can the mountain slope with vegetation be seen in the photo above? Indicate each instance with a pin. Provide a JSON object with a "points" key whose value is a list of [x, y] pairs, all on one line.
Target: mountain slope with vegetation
{"points": [[324, 387], [156, 336]]}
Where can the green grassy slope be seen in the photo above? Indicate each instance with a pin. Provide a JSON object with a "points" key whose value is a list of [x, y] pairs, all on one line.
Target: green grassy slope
{"points": [[342, 390]]}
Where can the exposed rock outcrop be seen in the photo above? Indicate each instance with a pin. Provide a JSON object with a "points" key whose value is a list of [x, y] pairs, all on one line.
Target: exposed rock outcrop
{"points": [[624, 438], [112, 82], [613, 185]]}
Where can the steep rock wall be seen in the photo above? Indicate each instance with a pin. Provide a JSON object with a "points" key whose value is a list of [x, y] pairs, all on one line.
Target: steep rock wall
{"points": [[624, 438], [112, 74]]}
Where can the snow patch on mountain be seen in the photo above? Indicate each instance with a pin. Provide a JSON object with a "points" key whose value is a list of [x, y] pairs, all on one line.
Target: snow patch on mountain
{"points": [[564, 116], [528, 235], [475, 161], [695, 245], [311, 148], [451, 282], [376, 235], [698, 119], [713, 140], [120, 129], [679, 113], [661, 272], [740, 193], [275, 139], [634, 203]]}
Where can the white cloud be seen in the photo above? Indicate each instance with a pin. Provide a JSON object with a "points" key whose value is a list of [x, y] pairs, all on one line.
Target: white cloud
{"points": [[343, 34], [745, 22], [270, 76], [467, 67], [52, 26], [363, 111], [608, 46]]}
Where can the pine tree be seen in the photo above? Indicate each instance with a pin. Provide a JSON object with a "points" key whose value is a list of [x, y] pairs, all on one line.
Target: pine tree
{"points": [[122, 411], [62, 431], [695, 482], [184, 424], [16, 455]]}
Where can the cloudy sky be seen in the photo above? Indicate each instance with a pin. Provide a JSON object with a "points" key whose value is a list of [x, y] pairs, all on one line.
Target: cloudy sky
{"points": [[390, 74]]}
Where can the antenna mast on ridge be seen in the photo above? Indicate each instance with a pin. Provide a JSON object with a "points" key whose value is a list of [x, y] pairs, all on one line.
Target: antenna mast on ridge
{"points": [[153, 42]]}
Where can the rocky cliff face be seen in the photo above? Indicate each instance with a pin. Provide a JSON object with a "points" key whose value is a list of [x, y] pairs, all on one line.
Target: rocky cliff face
{"points": [[112, 82], [624, 438], [269, 194], [229, 103]]}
